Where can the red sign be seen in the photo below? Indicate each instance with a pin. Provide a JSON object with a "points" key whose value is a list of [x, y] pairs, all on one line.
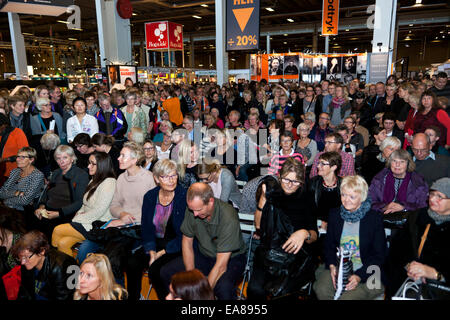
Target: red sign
{"points": [[175, 36], [163, 35], [156, 35]]}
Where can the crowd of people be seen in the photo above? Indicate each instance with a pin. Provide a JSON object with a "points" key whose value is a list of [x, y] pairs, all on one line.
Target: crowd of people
{"points": [[152, 178]]}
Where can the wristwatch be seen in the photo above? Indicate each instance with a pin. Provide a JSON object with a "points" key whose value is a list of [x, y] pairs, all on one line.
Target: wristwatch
{"points": [[309, 236], [439, 276]]}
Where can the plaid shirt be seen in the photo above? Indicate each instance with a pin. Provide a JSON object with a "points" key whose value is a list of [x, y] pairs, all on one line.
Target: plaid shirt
{"points": [[277, 161], [347, 169]]}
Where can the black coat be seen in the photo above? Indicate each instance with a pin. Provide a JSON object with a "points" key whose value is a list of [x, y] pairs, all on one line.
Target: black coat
{"points": [[55, 278], [372, 242]]}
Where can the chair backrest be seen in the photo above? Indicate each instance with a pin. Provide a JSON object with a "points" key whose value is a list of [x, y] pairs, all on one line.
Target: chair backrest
{"points": [[241, 184], [246, 221]]}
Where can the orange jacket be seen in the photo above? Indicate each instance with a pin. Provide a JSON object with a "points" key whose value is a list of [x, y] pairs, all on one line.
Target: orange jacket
{"points": [[15, 142], [173, 107]]}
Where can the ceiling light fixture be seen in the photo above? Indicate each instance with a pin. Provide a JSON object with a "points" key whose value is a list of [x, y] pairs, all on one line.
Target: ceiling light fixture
{"points": [[196, 17], [270, 9], [204, 5], [60, 21], [290, 20]]}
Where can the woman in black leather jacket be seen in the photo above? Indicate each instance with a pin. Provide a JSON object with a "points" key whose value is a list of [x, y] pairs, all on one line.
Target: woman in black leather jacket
{"points": [[47, 274]]}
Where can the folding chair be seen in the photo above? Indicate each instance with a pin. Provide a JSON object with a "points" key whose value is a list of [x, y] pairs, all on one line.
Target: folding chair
{"points": [[241, 184], [247, 225], [149, 288]]}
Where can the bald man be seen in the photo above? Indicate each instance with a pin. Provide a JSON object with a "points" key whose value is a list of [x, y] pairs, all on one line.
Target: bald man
{"points": [[430, 165], [221, 248]]}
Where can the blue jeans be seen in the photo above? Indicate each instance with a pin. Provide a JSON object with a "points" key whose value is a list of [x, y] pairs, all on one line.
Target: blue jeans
{"points": [[86, 247]]}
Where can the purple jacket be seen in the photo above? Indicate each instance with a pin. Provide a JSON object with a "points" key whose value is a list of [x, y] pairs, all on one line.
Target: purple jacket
{"points": [[417, 192]]}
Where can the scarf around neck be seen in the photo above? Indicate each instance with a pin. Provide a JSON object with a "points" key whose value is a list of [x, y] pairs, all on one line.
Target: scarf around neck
{"points": [[389, 188], [438, 218], [337, 102], [358, 214]]}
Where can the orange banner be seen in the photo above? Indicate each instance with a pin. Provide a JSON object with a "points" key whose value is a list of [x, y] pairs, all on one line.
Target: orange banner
{"points": [[330, 17]]}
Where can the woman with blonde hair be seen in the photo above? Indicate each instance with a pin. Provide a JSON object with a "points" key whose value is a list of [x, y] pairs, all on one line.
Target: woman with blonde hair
{"points": [[187, 160], [96, 280], [137, 135]]}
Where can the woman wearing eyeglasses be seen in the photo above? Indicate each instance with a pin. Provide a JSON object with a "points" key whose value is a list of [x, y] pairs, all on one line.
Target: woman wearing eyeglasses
{"points": [[45, 272], [162, 214], [151, 157], [24, 183], [282, 263]]}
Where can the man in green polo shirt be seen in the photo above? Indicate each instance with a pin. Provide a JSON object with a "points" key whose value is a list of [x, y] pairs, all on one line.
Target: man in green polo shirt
{"points": [[221, 249]]}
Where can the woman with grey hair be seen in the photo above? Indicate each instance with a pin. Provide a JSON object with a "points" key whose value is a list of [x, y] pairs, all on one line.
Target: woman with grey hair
{"points": [[397, 187], [134, 115], [45, 159], [46, 121], [63, 195], [162, 215]]}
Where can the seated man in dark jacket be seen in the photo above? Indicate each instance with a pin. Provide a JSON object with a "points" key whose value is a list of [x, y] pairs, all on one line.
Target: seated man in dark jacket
{"points": [[46, 273]]}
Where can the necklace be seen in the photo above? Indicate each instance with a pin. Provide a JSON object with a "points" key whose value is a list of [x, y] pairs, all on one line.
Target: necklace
{"points": [[334, 185]]}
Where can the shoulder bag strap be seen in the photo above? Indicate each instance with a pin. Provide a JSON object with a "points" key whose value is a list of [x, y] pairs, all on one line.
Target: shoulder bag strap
{"points": [[424, 238], [42, 122]]}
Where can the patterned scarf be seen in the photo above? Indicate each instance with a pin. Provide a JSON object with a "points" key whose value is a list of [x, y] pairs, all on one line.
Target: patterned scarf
{"points": [[390, 193], [358, 214], [337, 102]]}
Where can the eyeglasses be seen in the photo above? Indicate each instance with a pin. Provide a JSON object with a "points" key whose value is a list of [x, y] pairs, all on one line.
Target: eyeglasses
{"points": [[289, 181], [92, 163], [167, 178], [323, 163], [434, 194], [323, 118], [25, 259], [420, 150], [23, 157], [327, 142], [149, 149]]}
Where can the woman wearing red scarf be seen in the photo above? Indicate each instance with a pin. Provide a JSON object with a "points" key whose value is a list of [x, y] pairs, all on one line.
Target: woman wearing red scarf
{"points": [[340, 107]]}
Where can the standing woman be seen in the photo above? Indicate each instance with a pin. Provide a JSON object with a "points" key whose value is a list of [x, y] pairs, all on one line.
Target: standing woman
{"points": [[41, 123], [306, 146], [81, 122], [340, 107], [103, 143], [96, 280], [162, 215], [310, 103], [96, 201], [355, 227], [64, 194], [429, 113], [134, 115]]}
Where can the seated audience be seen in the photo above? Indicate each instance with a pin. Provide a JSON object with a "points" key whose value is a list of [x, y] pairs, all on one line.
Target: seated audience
{"points": [[103, 143], [151, 157], [187, 161], [286, 151]]}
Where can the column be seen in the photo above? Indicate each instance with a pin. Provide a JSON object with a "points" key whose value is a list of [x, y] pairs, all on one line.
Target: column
{"points": [[191, 50], [268, 44], [384, 27], [221, 54], [315, 38], [113, 34], [327, 44], [18, 46]]}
